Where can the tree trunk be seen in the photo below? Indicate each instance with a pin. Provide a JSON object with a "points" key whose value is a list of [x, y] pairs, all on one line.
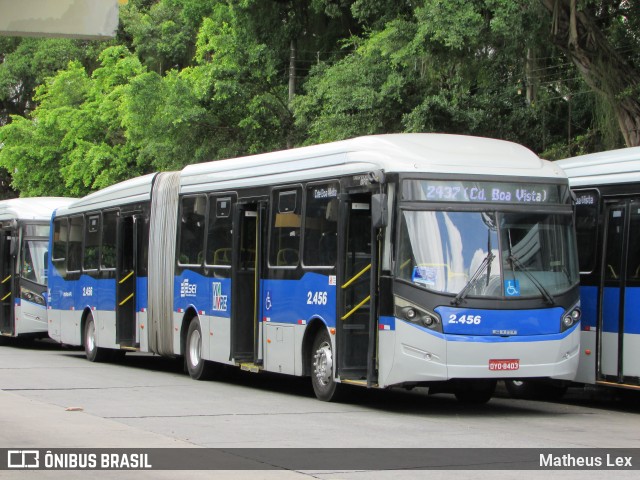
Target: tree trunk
{"points": [[576, 33], [292, 85]]}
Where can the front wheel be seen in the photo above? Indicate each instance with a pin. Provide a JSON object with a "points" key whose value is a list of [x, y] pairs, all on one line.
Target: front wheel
{"points": [[322, 369], [91, 349], [475, 391], [198, 368]]}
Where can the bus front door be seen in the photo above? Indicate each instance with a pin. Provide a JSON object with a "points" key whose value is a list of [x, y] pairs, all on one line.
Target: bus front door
{"points": [[619, 323], [357, 271], [6, 284], [247, 265], [126, 279]]}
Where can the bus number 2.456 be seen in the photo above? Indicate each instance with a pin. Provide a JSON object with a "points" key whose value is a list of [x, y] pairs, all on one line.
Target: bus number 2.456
{"points": [[465, 319], [316, 298]]}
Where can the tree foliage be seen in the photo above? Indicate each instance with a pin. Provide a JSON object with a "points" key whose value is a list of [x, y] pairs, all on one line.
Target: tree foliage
{"points": [[194, 80]]}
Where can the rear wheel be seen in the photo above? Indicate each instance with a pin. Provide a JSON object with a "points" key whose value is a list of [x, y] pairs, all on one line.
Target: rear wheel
{"points": [[198, 368], [475, 391], [91, 349], [322, 369]]}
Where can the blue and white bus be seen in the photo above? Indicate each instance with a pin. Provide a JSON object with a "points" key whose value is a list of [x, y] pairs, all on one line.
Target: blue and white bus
{"points": [[24, 235], [607, 188], [394, 260]]}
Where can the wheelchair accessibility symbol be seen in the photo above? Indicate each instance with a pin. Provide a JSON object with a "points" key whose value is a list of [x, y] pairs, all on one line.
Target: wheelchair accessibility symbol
{"points": [[267, 301], [512, 288]]}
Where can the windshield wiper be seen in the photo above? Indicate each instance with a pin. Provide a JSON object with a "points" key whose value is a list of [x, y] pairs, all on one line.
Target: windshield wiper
{"points": [[479, 271], [515, 261]]}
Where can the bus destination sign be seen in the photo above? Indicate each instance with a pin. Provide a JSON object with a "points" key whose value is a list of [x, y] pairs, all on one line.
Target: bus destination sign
{"points": [[469, 191]]}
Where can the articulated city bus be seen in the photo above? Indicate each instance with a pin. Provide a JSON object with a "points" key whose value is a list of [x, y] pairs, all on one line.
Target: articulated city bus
{"points": [[24, 230], [394, 260]]}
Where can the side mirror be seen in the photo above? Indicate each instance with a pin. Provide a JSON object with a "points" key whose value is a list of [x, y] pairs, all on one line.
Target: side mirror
{"points": [[379, 211]]}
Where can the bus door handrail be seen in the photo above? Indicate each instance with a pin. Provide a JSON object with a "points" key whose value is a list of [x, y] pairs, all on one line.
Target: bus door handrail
{"points": [[348, 284]]}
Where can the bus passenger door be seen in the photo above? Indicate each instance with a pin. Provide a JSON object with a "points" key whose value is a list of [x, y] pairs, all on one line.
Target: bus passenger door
{"points": [[247, 265], [618, 322], [126, 279], [356, 299], [6, 284]]}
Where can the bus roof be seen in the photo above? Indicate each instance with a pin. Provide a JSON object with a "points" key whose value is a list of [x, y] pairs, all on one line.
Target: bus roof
{"points": [[137, 189], [408, 152], [604, 168], [34, 208]]}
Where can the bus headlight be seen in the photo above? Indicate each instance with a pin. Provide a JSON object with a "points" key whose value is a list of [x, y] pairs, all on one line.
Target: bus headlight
{"points": [[571, 318], [31, 296], [411, 313]]}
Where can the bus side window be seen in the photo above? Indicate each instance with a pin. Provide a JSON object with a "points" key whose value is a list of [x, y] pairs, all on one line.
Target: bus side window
{"points": [[193, 210], [285, 229], [109, 245], [60, 237], [615, 236], [587, 229], [74, 251], [91, 243], [633, 254], [321, 225], [219, 235]]}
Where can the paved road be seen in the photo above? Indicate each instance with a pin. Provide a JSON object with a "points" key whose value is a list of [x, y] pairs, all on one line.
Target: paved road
{"points": [[51, 397]]}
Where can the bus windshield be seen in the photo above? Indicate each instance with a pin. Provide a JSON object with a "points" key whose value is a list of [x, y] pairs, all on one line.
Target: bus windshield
{"points": [[488, 254], [34, 261]]}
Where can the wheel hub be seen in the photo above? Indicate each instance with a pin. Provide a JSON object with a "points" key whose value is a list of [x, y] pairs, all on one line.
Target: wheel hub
{"points": [[194, 348], [323, 364]]}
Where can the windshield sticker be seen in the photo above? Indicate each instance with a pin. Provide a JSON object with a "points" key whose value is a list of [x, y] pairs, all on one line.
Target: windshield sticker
{"points": [[512, 288], [424, 275]]}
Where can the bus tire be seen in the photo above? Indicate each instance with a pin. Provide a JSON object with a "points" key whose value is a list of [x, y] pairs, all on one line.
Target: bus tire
{"points": [[475, 391], [521, 389], [535, 390], [197, 368], [322, 369], [91, 349]]}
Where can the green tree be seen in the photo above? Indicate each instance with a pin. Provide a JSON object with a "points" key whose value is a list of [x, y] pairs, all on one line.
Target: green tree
{"points": [[75, 132], [602, 39], [26, 62]]}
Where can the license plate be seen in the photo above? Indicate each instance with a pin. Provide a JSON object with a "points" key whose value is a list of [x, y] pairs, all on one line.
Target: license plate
{"points": [[501, 364]]}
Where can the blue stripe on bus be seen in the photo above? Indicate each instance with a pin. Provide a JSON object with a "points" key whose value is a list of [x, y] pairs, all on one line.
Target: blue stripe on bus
{"points": [[99, 294], [611, 309], [494, 338], [283, 301], [292, 301], [474, 321], [589, 306], [632, 310]]}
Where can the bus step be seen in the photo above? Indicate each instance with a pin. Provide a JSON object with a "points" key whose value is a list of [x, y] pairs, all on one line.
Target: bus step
{"points": [[360, 383], [250, 367], [354, 326], [129, 349]]}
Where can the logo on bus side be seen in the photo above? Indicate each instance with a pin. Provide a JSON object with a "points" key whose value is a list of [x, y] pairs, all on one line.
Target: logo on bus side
{"points": [[219, 300], [188, 289]]}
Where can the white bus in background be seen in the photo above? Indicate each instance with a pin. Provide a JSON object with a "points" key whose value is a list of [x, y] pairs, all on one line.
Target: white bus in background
{"points": [[395, 260], [24, 246], [607, 190]]}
